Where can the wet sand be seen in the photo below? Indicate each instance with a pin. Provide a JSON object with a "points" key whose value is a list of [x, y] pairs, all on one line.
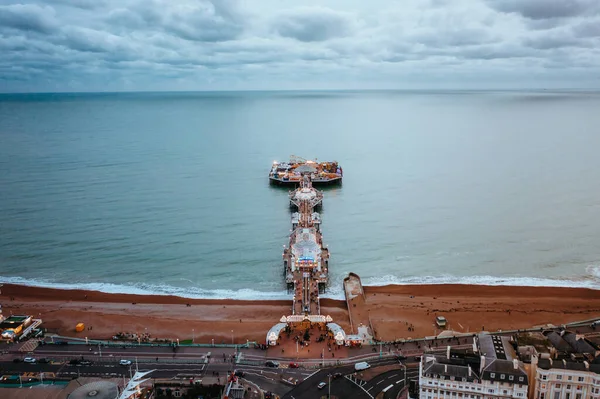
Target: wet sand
{"points": [[391, 310]]}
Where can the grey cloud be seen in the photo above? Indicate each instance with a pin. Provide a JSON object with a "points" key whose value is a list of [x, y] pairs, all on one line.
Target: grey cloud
{"points": [[556, 38], [84, 4], [203, 20], [312, 24], [590, 28], [153, 44], [455, 37], [28, 17], [546, 9]]}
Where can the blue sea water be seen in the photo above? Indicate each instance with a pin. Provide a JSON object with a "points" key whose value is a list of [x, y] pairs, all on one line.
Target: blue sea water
{"points": [[168, 192]]}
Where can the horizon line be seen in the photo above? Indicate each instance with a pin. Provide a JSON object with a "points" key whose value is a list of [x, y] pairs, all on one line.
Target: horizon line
{"points": [[563, 89]]}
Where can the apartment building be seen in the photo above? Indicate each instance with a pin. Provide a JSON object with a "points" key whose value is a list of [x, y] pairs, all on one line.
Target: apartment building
{"points": [[491, 371]]}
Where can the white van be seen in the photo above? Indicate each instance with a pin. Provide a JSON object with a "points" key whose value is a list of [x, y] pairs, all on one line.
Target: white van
{"points": [[361, 366]]}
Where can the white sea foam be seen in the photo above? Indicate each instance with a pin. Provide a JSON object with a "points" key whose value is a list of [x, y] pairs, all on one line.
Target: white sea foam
{"points": [[583, 282], [149, 289], [335, 291]]}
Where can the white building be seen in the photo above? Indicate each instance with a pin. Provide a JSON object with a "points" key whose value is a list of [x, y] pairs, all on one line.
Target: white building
{"points": [[493, 372], [563, 379]]}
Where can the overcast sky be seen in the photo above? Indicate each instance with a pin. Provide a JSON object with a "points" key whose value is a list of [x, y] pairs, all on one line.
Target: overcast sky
{"points": [[114, 45]]}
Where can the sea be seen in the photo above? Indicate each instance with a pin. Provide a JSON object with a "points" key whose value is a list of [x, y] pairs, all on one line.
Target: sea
{"points": [[168, 193]]}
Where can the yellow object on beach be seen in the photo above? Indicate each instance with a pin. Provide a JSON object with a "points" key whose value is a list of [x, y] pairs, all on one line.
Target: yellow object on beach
{"points": [[79, 327]]}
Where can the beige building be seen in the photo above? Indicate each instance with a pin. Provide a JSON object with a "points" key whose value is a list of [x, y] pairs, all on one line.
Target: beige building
{"points": [[562, 379]]}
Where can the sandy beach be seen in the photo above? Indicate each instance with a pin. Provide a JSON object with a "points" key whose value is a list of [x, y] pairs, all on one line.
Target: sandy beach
{"points": [[391, 310]]}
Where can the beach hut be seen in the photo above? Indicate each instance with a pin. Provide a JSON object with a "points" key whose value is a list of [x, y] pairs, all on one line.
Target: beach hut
{"points": [[79, 327]]}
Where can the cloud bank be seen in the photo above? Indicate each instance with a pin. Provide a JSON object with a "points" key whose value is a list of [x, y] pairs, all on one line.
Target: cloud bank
{"points": [[99, 45]]}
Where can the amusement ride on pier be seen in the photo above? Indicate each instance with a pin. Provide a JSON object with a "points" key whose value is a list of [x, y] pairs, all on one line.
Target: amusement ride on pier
{"points": [[291, 172]]}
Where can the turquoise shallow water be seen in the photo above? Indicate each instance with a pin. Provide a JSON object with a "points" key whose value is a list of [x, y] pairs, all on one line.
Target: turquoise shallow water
{"points": [[168, 192]]}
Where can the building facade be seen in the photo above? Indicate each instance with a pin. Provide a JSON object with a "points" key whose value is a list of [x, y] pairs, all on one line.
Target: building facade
{"points": [[492, 372], [562, 379]]}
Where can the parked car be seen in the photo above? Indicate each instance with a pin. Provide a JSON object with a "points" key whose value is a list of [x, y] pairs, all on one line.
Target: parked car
{"points": [[29, 360], [43, 360], [125, 362], [294, 365], [17, 360], [271, 363], [361, 366], [441, 321], [322, 385], [337, 375]]}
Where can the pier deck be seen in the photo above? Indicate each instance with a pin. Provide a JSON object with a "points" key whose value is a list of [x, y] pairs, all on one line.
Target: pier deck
{"points": [[306, 261]]}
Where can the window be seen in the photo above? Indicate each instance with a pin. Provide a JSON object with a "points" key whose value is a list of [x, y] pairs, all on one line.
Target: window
{"points": [[521, 379], [502, 376], [511, 377], [558, 385], [579, 387], [568, 396], [542, 395], [568, 386], [490, 390], [559, 377], [492, 375], [557, 395], [544, 377], [578, 396], [569, 378], [580, 379]]}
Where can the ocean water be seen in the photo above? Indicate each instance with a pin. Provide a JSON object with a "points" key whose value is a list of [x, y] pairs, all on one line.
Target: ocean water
{"points": [[168, 193]]}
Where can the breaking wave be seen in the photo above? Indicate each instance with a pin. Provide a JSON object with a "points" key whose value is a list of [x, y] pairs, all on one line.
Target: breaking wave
{"points": [[335, 291]]}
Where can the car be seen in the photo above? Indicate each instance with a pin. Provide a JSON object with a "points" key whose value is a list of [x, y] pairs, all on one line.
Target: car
{"points": [[125, 362], [441, 321], [85, 363], [361, 366], [17, 360], [417, 358], [322, 385], [29, 360], [294, 365], [337, 375], [239, 373], [43, 360], [271, 363]]}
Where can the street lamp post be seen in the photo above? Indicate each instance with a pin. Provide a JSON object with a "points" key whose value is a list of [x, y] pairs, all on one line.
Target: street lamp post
{"points": [[329, 386], [193, 335], [231, 337]]}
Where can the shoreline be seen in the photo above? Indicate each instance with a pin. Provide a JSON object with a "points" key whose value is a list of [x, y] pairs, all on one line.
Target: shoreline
{"points": [[590, 281], [390, 310]]}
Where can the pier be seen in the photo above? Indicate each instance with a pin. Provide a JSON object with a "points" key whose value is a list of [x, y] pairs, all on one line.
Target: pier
{"points": [[306, 259], [306, 273]]}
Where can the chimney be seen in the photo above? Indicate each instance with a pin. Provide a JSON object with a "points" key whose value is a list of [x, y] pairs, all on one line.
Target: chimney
{"points": [[445, 368], [587, 365], [564, 362], [482, 364], [448, 351], [515, 364], [470, 371]]}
